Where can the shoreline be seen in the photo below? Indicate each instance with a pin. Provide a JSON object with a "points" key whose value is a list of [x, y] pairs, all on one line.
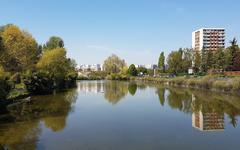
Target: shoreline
{"points": [[230, 85]]}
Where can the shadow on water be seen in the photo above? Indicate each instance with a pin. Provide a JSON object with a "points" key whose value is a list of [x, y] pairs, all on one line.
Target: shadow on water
{"points": [[20, 128]]}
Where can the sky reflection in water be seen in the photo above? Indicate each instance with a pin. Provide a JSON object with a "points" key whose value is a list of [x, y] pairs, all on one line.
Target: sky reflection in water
{"points": [[123, 115]]}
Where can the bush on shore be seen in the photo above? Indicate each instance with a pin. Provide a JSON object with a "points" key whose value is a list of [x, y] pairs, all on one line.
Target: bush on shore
{"points": [[5, 85], [206, 82], [117, 76], [39, 82], [42, 82], [70, 80]]}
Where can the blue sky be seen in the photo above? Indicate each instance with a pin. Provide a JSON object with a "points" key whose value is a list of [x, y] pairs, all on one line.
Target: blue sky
{"points": [[136, 30]]}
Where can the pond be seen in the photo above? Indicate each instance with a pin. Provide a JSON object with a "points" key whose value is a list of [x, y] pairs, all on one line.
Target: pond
{"points": [[116, 115]]}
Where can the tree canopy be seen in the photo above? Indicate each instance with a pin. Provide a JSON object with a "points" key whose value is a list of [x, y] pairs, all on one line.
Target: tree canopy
{"points": [[161, 62], [55, 62], [53, 43], [19, 50], [114, 64], [132, 70]]}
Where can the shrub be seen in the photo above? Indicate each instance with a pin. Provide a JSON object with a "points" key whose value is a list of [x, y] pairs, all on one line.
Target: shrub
{"points": [[117, 76], [222, 85], [16, 78], [70, 79], [193, 82], [206, 82], [236, 83], [82, 78], [38, 82], [5, 85]]}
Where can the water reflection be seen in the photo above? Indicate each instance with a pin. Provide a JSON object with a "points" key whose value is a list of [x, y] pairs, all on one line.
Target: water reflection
{"points": [[161, 95], [208, 121], [195, 102], [132, 88], [20, 128], [207, 108], [113, 91]]}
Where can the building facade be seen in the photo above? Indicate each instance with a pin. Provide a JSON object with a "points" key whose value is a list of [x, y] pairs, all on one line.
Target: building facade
{"points": [[208, 39]]}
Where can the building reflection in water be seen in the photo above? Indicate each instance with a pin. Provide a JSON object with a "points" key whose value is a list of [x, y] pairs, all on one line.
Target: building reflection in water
{"points": [[114, 91], [206, 120], [91, 87]]}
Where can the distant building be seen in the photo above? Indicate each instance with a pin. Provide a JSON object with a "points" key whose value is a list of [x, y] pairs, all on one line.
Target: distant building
{"points": [[151, 66], [92, 67], [208, 39], [96, 67], [148, 66], [139, 66]]}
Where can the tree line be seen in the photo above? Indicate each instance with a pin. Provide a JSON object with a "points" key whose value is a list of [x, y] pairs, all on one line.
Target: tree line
{"points": [[40, 68], [117, 69], [180, 61], [203, 61]]}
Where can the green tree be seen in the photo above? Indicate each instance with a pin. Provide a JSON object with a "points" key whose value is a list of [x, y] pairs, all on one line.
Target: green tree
{"points": [[142, 70], [204, 60], [53, 43], [114, 64], [207, 60], [210, 60], [234, 61], [219, 60], [197, 61], [132, 70], [228, 59], [56, 63], [19, 49], [161, 62], [186, 59], [180, 61], [175, 62]]}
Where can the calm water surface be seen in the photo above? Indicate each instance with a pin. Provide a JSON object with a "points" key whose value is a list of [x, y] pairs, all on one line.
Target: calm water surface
{"points": [[109, 115]]}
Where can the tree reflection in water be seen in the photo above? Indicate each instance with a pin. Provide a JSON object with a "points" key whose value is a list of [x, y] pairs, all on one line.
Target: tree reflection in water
{"points": [[132, 88], [114, 91], [161, 95], [22, 130], [203, 103]]}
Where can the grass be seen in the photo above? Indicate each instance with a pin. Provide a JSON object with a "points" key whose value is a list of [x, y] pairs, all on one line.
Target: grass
{"points": [[206, 82]]}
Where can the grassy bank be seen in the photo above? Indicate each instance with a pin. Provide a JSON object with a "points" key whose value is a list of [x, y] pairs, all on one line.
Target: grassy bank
{"points": [[214, 83]]}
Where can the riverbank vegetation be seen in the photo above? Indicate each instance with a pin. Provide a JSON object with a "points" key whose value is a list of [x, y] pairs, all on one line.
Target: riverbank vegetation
{"points": [[215, 70], [27, 67], [215, 83]]}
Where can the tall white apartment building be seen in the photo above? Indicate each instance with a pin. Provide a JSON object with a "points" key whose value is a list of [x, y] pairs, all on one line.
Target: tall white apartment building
{"points": [[208, 39]]}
